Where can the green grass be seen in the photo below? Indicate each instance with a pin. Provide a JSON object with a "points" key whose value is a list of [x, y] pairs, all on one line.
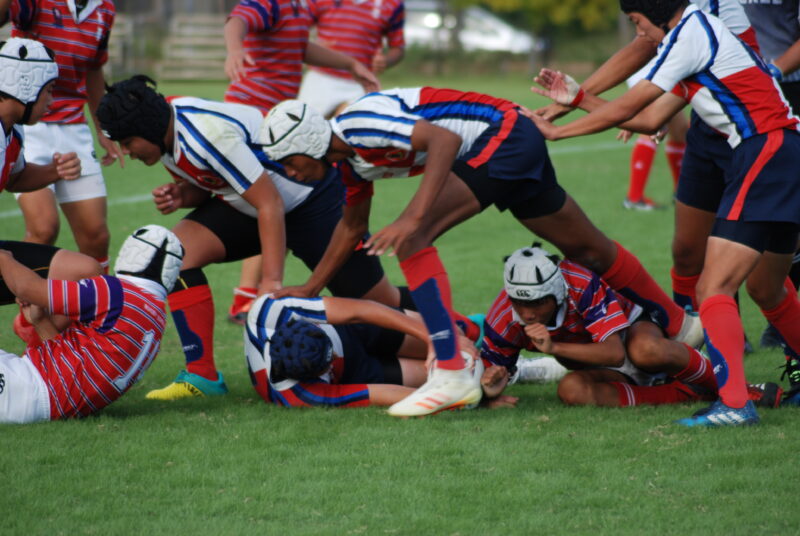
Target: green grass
{"points": [[234, 465]]}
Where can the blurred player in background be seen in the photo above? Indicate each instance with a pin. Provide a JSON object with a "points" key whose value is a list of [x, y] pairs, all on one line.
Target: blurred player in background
{"points": [[78, 32], [359, 29], [618, 356], [267, 43], [115, 334]]}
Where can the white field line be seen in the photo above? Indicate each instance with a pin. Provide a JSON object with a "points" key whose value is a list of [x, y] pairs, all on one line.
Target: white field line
{"points": [[567, 149]]}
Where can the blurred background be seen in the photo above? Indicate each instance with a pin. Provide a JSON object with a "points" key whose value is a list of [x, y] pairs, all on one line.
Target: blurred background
{"points": [[181, 40]]}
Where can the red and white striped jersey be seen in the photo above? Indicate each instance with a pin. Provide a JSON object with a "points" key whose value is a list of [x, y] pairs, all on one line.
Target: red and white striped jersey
{"points": [[277, 36], [726, 82], [13, 159], [591, 312], [115, 334], [80, 42], [357, 28]]}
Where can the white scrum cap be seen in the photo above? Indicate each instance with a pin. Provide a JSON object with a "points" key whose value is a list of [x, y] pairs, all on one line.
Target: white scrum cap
{"points": [[292, 127], [151, 252], [531, 274], [26, 66]]}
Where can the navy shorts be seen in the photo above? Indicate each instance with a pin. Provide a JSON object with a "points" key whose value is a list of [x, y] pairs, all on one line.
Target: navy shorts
{"points": [[705, 162], [309, 228], [370, 354], [37, 257], [515, 174], [764, 179]]}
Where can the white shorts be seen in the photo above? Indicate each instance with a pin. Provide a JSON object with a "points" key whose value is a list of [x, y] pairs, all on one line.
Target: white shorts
{"points": [[637, 375], [23, 393], [44, 139], [325, 93]]}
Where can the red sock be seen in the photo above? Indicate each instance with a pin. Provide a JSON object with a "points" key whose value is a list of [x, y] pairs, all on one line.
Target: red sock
{"points": [[684, 289], [786, 317], [471, 330], [642, 155], [698, 371], [669, 393], [103, 263], [430, 289], [628, 276], [242, 299], [674, 151], [193, 314], [725, 344]]}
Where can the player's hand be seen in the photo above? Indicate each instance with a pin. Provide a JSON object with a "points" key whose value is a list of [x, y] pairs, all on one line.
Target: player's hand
{"points": [[659, 136], [68, 166], [493, 380], [113, 152], [502, 401], [236, 63], [298, 291], [557, 86], [379, 62], [167, 198], [624, 135], [393, 236], [364, 76], [553, 111], [32, 313], [540, 337], [548, 129]]}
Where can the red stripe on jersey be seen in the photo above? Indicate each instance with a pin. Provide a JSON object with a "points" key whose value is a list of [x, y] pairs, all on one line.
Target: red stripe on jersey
{"points": [[79, 48], [10, 157], [762, 99], [749, 37], [116, 332], [277, 46], [771, 146], [509, 120], [356, 191], [430, 95]]}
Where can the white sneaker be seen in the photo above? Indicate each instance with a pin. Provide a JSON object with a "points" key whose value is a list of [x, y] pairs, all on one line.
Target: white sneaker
{"points": [[445, 389], [691, 332], [538, 370]]}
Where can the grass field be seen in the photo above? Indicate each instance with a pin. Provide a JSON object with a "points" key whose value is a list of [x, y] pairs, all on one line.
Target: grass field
{"points": [[233, 465]]}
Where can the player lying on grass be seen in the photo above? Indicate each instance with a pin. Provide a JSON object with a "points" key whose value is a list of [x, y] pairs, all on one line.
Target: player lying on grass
{"points": [[337, 352], [756, 230], [474, 151], [616, 353], [243, 205], [115, 334]]}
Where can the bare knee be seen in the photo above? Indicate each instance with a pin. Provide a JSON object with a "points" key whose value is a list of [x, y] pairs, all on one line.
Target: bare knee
{"points": [[575, 390], [648, 352], [597, 256], [42, 230], [93, 241], [764, 295], [687, 256], [73, 266]]}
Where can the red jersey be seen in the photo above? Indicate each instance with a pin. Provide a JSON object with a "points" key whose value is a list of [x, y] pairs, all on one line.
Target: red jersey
{"points": [[116, 334], [357, 28], [13, 161], [591, 312], [277, 36], [80, 42]]}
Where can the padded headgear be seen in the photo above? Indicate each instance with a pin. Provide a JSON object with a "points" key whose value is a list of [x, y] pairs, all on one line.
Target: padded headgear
{"points": [[532, 273], [299, 350], [659, 12], [133, 107], [151, 252], [26, 66], [293, 127]]}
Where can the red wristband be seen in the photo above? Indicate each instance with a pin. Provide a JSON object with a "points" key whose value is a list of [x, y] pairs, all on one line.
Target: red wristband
{"points": [[578, 98]]}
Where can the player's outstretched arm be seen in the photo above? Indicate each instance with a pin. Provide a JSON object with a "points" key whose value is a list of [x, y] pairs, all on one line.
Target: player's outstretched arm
{"points": [[264, 196], [320, 56], [237, 57], [346, 236], [23, 282], [352, 311]]}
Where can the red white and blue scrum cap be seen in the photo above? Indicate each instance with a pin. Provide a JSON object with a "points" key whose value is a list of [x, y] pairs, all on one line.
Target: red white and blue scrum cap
{"points": [[26, 66], [151, 252], [299, 350], [532, 273], [292, 127]]}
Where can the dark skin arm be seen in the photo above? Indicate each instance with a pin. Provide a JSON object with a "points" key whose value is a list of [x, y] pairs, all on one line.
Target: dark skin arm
{"points": [[23, 282], [607, 353]]}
